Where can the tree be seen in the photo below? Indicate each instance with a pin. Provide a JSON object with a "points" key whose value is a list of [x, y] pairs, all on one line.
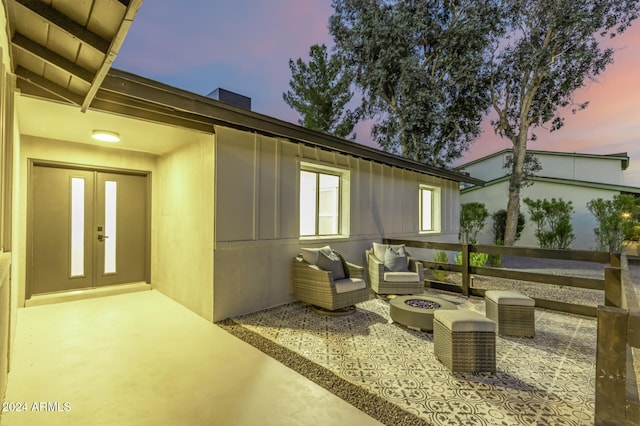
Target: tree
{"points": [[320, 91], [472, 218], [615, 220], [420, 67], [551, 49], [553, 222], [499, 219]]}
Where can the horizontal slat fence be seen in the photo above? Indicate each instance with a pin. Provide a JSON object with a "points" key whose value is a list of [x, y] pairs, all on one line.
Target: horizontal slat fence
{"points": [[468, 271]]}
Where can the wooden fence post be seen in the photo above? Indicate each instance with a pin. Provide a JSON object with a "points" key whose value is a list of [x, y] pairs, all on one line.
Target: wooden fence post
{"points": [[465, 269], [611, 364], [613, 286], [614, 259]]}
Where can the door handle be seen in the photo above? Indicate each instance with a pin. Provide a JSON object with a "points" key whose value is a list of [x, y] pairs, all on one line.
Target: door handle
{"points": [[102, 237]]}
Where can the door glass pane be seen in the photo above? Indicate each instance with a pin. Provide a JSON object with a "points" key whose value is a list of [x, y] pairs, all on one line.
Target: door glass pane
{"points": [[110, 197], [307, 203], [329, 204], [77, 227]]}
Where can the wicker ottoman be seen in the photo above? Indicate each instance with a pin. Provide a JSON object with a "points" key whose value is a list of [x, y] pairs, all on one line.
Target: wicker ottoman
{"points": [[512, 311], [464, 341]]}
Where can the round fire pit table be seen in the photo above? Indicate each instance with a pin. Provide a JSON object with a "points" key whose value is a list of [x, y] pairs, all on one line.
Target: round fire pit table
{"points": [[416, 312]]}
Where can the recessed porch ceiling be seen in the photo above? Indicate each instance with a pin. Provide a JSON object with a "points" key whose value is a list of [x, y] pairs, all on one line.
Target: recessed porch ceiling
{"points": [[63, 49], [53, 120]]}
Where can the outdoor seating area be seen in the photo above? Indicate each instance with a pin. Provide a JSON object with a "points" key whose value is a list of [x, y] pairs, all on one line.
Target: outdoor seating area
{"points": [[464, 341], [461, 372], [474, 338]]}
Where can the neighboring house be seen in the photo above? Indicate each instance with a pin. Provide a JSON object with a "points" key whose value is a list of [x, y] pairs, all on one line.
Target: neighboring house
{"points": [[574, 177], [205, 201]]}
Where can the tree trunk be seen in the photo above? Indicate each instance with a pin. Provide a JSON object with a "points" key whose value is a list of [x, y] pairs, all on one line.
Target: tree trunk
{"points": [[515, 184]]}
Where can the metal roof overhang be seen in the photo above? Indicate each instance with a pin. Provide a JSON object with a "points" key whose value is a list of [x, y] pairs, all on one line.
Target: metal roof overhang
{"points": [[63, 49], [128, 94]]}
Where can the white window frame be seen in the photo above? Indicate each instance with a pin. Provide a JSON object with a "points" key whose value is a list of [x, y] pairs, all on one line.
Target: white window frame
{"points": [[343, 200], [435, 197]]}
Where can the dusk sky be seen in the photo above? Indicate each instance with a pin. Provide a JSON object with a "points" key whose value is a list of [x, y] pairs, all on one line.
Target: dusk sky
{"points": [[245, 46]]}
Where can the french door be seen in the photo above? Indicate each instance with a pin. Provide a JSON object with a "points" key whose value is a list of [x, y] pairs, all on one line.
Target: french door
{"points": [[87, 229]]}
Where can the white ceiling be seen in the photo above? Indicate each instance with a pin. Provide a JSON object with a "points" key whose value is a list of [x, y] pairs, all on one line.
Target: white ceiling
{"points": [[52, 120]]}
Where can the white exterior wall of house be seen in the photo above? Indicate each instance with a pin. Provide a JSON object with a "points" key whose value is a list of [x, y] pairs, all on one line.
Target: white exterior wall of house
{"points": [[182, 232], [580, 178], [8, 283], [581, 167], [488, 169], [257, 210], [494, 198]]}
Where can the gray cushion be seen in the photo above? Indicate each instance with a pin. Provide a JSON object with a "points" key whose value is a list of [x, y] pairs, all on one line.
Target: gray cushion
{"points": [[509, 297], [331, 262], [464, 321], [310, 255], [402, 277], [396, 260], [349, 284]]}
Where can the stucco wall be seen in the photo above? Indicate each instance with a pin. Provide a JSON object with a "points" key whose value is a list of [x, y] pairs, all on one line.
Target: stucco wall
{"points": [[494, 198], [256, 216], [573, 167], [182, 235], [489, 169]]}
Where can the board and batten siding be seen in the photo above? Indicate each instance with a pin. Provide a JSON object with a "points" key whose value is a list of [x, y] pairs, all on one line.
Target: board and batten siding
{"points": [[256, 214]]}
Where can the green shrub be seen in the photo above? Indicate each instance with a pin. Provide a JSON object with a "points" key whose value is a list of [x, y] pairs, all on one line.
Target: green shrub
{"points": [[553, 222], [499, 219], [472, 219], [475, 259], [441, 257], [495, 260], [615, 221]]}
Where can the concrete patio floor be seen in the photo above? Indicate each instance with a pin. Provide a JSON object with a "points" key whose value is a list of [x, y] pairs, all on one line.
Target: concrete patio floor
{"points": [[143, 359]]}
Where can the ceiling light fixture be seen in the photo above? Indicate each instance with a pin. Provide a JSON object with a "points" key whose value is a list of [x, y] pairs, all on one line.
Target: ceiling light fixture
{"points": [[105, 136]]}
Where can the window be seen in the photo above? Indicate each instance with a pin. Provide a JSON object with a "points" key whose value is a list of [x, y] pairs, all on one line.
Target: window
{"points": [[429, 209], [322, 202]]}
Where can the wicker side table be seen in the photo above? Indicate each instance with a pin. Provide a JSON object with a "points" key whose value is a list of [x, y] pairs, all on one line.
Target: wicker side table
{"points": [[464, 341], [512, 311]]}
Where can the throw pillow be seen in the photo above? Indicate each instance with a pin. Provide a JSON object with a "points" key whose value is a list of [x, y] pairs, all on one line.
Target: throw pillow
{"points": [[331, 262], [396, 260], [380, 249], [310, 255]]}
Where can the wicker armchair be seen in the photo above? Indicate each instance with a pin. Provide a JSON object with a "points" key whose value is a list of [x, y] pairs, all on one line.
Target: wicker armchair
{"points": [[318, 288], [394, 282]]}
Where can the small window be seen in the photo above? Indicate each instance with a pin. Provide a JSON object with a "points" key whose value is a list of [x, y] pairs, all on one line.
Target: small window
{"points": [[319, 204], [429, 209]]}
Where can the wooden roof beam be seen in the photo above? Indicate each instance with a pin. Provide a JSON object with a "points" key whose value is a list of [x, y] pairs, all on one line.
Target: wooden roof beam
{"points": [[66, 24], [48, 86], [25, 44]]}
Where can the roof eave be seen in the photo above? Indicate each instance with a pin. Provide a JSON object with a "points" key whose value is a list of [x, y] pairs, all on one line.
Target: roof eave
{"points": [[219, 113]]}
